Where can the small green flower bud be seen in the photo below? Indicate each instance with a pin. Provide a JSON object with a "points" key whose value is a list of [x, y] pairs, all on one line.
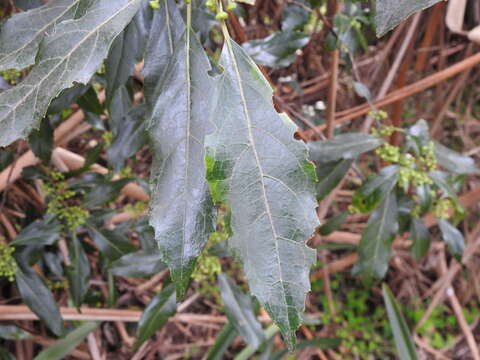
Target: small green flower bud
{"points": [[154, 4], [221, 16]]}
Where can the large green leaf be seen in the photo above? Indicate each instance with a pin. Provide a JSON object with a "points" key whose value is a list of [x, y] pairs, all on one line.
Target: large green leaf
{"points": [[240, 311], [453, 237], [455, 162], [128, 127], [39, 299], [138, 264], [12, 332], [391, 12], [278, 49], [178, 89], [71, 54], [65, 346], [265, 178], [420, 237], [113, 244], [330, 174], [343, 146], [157, 313], [401, 333], [375, 245], [375, 189], [127, 49], [333, 223], [20, 36], [78, 273], [222, 341], [40, 232]]}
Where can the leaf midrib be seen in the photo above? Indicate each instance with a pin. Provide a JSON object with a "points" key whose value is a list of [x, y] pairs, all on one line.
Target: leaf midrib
{"points": [[259, 166]]}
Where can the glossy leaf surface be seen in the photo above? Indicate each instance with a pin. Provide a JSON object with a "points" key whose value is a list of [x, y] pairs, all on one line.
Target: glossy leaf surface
{"points": [[71, 54], [178, 89], [264, 176]]}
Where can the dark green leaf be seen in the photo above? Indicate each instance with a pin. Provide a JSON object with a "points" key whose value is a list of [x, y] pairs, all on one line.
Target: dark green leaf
{"points": [[440, 179], [240, 311], [401, 333], [384, 182], [5, 355], [40, 232], [65, 346], [41, 141], [67, 97], [6, 158], [375, 245], [330, 174], [278, 49], [138, 264], [454, 162], [128, 127], [112, 244], [362, 90], [333, 223], [178, 90], [295, 16], [222, 341], [39, 299], [72, 53], [390, 13], [12, 332], [54, 262], [88, 101], [105, 192], [343, 146], [420, 237], [268, 183], [453, 237], [126, 50], [161, 308], [21, 35], [425, 198], [78, 273]]}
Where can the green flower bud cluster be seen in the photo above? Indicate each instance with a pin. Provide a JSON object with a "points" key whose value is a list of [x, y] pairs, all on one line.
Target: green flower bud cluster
{"points": [[136, 209], [126, 172], [442, 208], [107, 137], [389, 153], [386, 130], [74, 216], [57, 285], [208, 267], [407, 175], [352, 209], [378, 115], [211, 5], [220, 14], [11, 76], [58, 194], [8, 265], [428, 159]]}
